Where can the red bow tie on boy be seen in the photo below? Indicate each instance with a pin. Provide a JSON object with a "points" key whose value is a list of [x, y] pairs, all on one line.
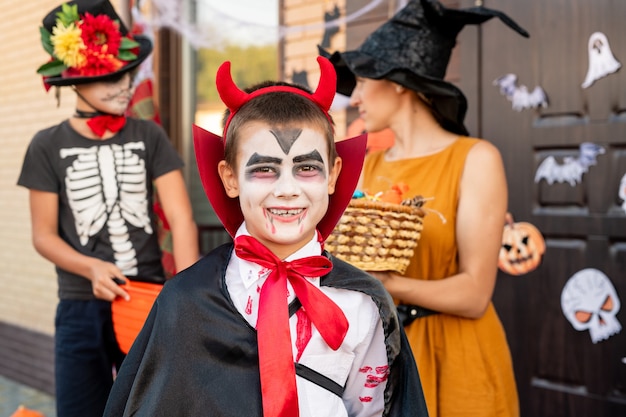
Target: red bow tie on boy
{"points": [[100, 124]]}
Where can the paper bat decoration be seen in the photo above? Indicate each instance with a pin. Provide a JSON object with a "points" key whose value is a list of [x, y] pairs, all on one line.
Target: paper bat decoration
{"points": [[601, 59], [572, 169], [300, 78], [519, 95], [330, 30]]}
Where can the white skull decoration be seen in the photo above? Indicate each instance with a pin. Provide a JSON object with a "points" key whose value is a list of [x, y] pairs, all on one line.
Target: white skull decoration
{"points": [[622, 191], [589, 301]]}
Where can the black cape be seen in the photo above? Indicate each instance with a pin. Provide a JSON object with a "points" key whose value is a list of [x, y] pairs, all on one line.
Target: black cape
{"points": [[197, 356]]}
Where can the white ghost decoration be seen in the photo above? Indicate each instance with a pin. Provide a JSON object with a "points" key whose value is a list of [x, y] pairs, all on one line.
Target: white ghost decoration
{"points": [[601, 59], [622, 191], [589, 301]]}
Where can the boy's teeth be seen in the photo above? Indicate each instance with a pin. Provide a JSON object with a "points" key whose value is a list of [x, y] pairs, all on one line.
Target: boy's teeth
{"points": [[285, 212]]}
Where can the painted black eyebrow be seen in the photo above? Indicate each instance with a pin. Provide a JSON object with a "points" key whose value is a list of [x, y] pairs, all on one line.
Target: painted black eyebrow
{"points": [[315, 155], [260, 159]]}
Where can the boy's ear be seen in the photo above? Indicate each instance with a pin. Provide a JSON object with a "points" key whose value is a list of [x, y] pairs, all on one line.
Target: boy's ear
{"points": [[333, 175], [229, 179]]}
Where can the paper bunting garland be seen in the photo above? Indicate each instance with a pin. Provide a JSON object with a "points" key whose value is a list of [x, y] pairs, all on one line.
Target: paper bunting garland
{"points": [[171, 14]]}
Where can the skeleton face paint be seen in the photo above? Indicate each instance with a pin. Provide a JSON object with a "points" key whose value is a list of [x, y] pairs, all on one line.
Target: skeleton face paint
{"points": [[283, 182], [108, 97]]}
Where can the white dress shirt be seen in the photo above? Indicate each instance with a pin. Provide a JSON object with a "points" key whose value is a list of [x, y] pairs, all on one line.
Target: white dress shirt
{"points": [[360, 364]]}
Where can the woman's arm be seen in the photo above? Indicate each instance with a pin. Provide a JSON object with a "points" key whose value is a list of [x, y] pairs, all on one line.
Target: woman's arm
{"points": [[177, 208], [46, 240], [480, 217]]}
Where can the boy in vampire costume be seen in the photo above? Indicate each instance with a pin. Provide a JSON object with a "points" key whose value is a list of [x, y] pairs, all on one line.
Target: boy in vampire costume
{"points": [[272, 325]]}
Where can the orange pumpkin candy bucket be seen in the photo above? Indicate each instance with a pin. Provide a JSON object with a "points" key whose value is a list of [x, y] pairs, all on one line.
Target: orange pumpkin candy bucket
{"points": [[26, 412], [129, 316]]}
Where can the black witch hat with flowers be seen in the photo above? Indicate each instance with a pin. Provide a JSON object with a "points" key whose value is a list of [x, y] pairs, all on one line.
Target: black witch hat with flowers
{"points": [[413, 49], [88, 42]]}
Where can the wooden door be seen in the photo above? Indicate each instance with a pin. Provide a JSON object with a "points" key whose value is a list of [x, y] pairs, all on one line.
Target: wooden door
{"points": [[560, 370]]}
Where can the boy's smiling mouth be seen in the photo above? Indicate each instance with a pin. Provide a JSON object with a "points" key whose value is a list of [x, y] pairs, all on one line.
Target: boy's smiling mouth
{"points": [[285, 212]]}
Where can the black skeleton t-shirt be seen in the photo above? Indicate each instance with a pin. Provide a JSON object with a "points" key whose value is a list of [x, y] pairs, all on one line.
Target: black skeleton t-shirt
{"points": [[105, 195]]}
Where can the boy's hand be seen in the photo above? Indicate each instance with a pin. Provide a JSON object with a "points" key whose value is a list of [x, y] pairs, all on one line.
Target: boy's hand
{"points": [[103, 281]]}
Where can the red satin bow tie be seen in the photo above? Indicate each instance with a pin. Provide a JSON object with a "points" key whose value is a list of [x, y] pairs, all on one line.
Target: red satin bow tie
{"points": [[278, 375], [100, 124]]}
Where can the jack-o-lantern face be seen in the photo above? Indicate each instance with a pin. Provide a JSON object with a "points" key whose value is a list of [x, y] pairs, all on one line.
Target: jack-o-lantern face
{"points": [[522, 248]]}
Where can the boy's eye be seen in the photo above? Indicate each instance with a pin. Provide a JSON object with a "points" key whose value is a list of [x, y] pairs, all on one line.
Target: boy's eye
{"points": [[308, 170], [261, 172]]}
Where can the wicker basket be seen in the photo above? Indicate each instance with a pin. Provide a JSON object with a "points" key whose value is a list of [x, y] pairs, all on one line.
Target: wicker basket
{"points": [[376, 235]]}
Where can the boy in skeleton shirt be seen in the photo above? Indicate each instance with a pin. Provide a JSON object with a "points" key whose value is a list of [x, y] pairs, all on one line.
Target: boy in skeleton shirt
{"points": [[272, 325], [90, 182]]}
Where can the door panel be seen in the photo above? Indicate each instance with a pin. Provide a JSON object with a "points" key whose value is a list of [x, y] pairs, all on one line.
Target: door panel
{"points": [[560, 371]]}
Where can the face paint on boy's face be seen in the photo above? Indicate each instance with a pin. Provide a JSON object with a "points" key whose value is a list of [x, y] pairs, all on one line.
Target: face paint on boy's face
{"points": [[283, 183], [109, 96]]}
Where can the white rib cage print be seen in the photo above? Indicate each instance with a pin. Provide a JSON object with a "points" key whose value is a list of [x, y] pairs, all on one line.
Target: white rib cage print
{"points": [[107, 185]]}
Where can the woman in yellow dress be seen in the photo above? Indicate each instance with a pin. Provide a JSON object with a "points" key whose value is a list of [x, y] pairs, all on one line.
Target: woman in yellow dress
{"points": [[396, 80]]}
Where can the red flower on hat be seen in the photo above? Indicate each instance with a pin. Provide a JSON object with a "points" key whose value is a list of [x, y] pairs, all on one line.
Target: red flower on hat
{"points": [[100, 33]]}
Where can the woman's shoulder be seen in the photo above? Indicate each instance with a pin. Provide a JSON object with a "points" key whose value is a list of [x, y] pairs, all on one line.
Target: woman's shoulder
{"points": [[483, 165], [479, 149], [466, 142], [473, 149]]}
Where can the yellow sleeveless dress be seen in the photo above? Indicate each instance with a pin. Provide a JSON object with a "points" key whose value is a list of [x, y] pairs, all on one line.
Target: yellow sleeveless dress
{"points": [[464, 364]]}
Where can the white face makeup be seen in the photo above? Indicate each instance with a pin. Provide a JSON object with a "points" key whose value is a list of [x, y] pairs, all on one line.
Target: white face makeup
{"points": [[108, 97], [283, 182]]}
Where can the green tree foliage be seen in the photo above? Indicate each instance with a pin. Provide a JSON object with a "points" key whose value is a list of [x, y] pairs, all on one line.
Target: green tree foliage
{"points": [[249, 65]]}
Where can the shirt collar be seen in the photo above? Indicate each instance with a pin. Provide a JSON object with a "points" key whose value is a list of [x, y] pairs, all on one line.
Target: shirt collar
{"points": [[251, 272]]}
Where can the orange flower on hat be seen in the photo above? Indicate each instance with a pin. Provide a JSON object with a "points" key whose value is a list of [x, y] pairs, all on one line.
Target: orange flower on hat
{"points": [[98, 63]]}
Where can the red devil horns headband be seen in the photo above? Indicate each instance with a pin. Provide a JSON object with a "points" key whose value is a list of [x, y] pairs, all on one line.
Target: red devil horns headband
{"points": [[234, 98]]}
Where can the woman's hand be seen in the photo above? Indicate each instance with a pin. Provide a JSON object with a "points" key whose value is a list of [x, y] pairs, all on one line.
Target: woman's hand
{"points": [[392, 281]]}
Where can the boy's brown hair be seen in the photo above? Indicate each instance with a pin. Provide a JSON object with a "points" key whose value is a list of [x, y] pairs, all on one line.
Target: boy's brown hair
{"points": [[281, 110]]}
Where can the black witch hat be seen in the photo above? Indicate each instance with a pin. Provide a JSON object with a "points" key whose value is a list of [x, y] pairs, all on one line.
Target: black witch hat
{"points": [[413, 49], [88, 42]]}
